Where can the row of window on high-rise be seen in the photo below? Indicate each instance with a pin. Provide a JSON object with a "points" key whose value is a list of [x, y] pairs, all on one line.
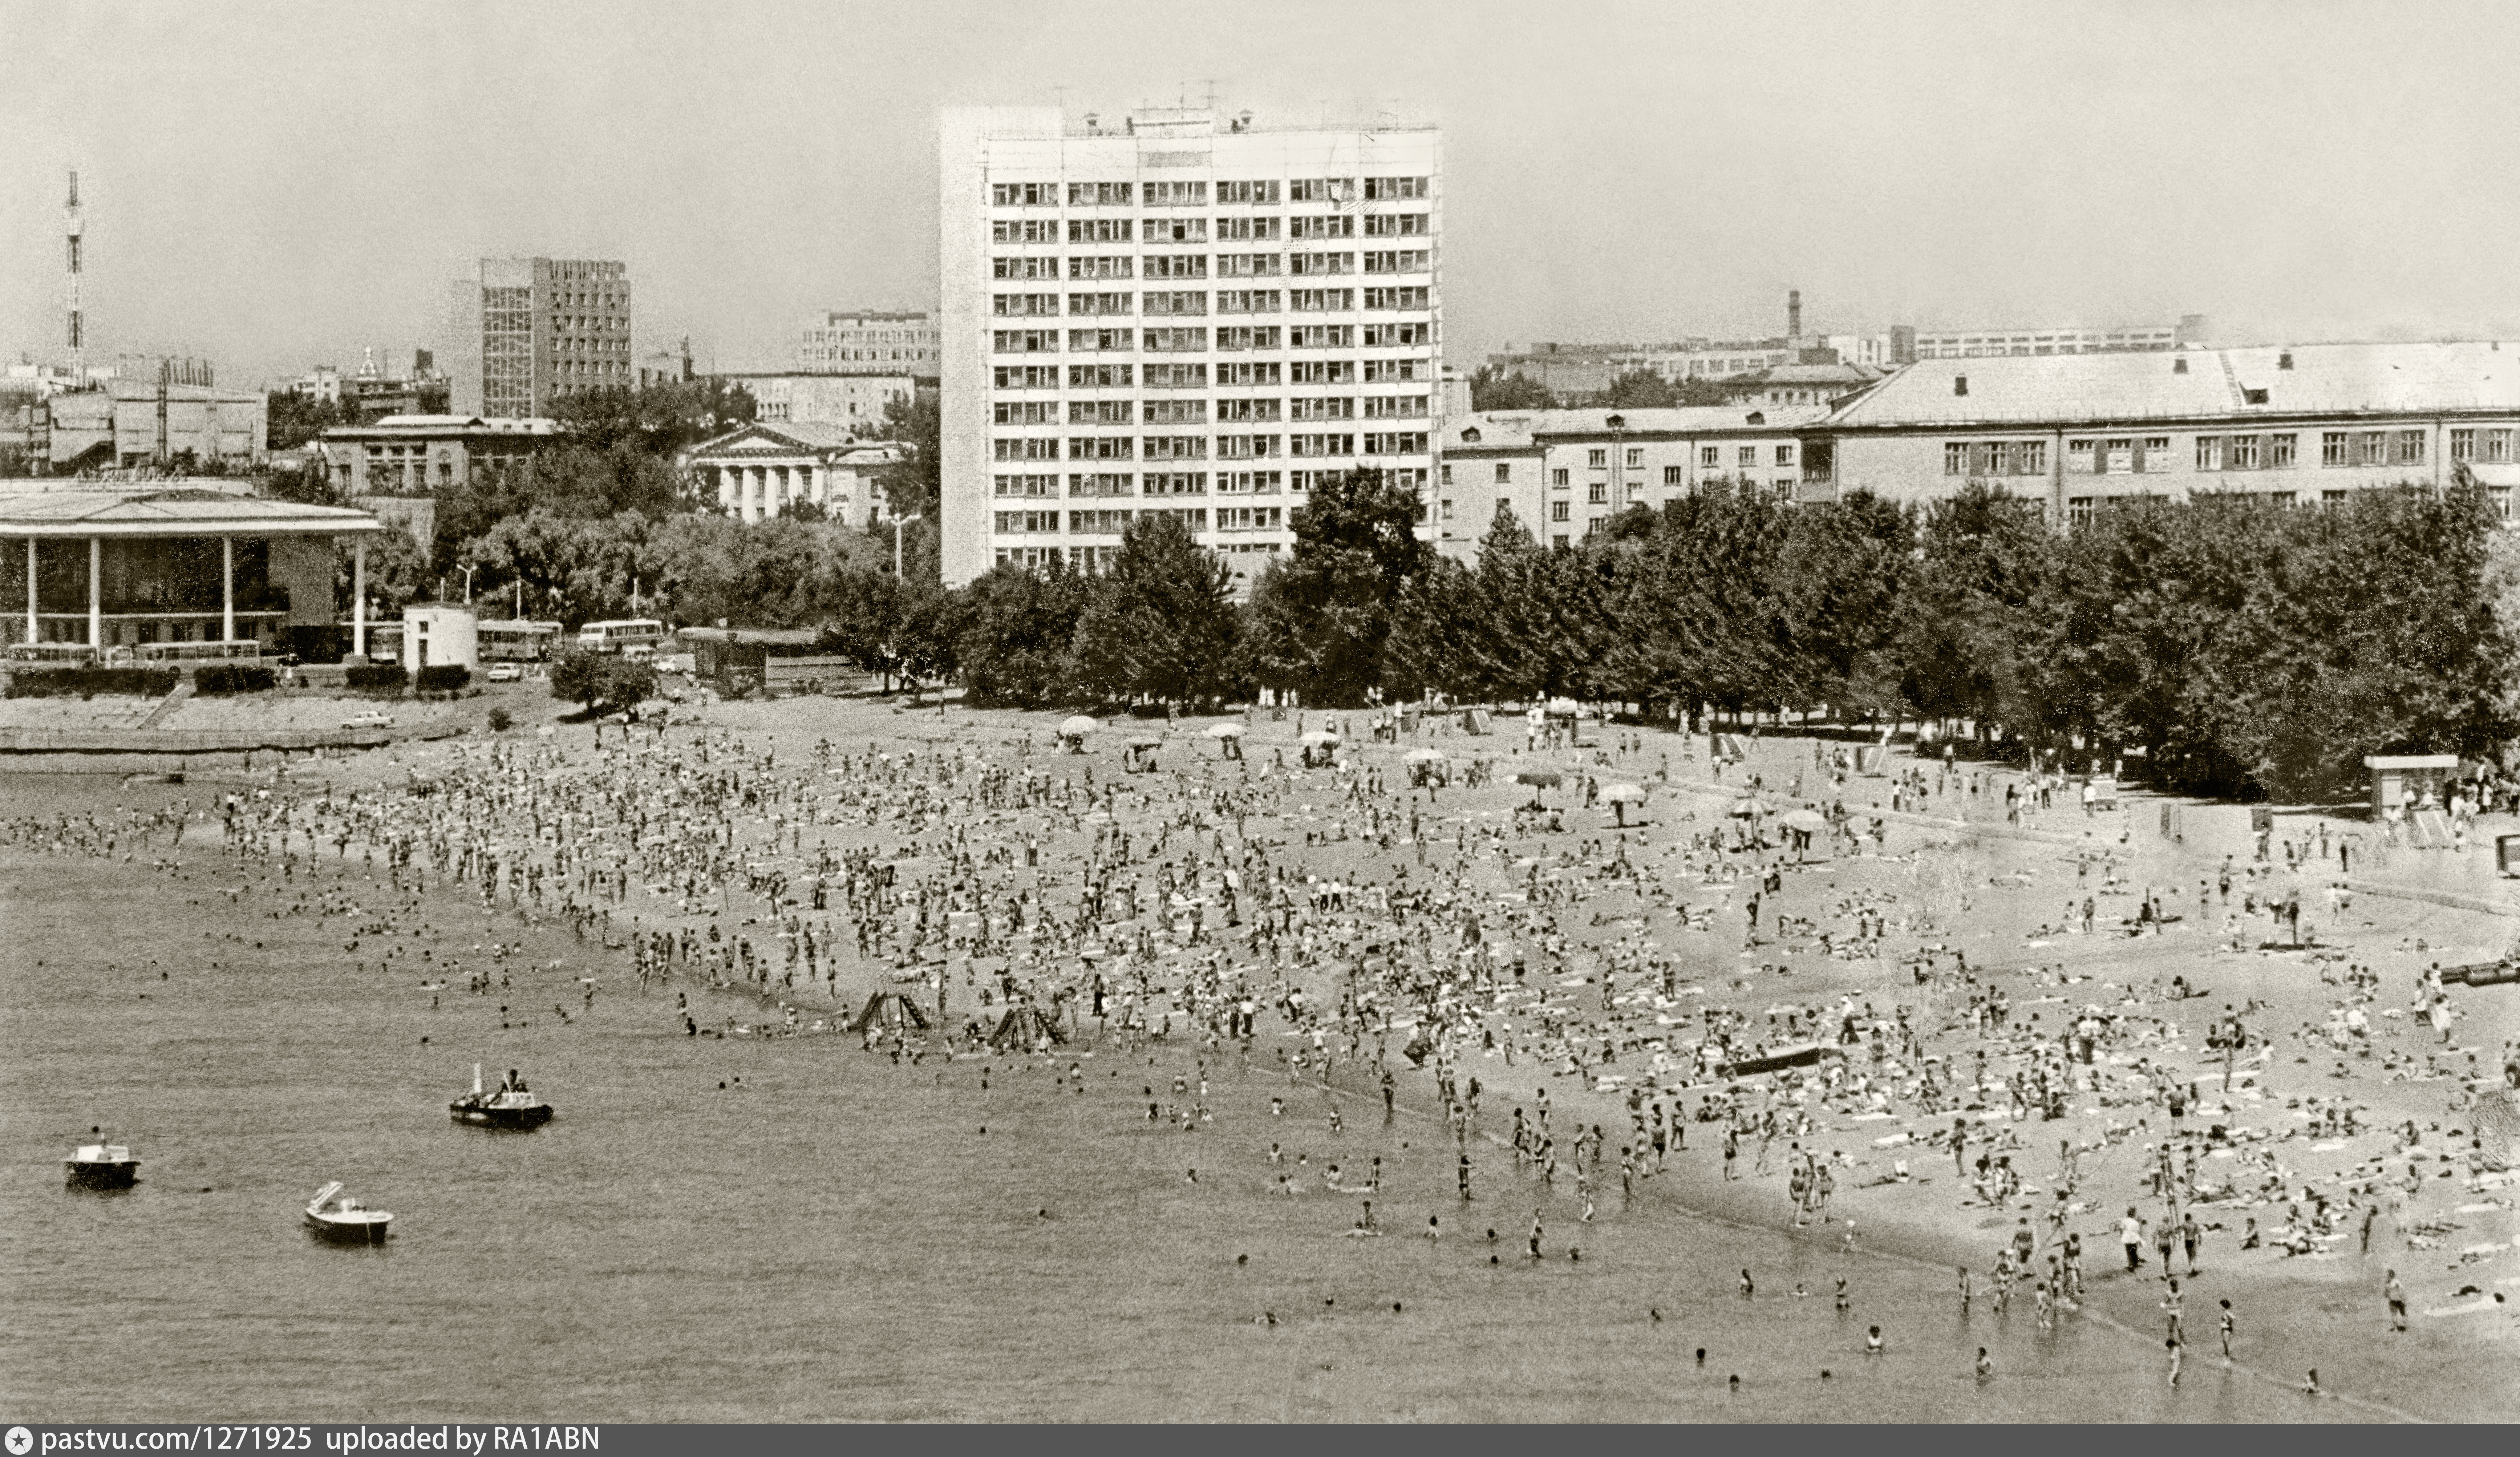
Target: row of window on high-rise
{"points": [[1228, 375], [1196, 411], [1113, 522], [1197, 447], [1329, 227], [1194, 340], [1195, 302], [1045, 485], [1099, 267], [1257, 192]]}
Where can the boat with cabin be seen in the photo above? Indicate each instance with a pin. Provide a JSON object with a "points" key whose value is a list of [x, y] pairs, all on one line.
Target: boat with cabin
{"points": [[101, 1164], [512, 1107]]}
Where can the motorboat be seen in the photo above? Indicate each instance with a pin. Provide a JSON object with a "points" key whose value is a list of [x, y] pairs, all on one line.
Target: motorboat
{"points": [[100, 1165], [511, 1107], [333, 1215]]}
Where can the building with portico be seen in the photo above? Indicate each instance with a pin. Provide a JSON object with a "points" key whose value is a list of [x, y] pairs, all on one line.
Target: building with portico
{"points": [[763, 469], [102, 568]]}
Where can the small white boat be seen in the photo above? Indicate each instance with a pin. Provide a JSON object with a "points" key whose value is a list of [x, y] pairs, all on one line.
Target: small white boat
{"points": [[333, 1217], [100, 1165]]}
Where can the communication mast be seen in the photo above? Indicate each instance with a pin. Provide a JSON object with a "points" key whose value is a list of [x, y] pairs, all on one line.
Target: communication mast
{"points": [[77, 334]]}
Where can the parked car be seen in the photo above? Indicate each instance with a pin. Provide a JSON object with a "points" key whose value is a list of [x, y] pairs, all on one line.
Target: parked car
{"points": [[370, 719], [505, 672]]}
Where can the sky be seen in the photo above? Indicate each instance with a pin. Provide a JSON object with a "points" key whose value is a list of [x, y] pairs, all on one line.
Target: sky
{"points": [[276, 185]]}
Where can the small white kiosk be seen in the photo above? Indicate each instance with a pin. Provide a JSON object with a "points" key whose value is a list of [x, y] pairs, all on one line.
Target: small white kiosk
{"points": [[436, 634]]}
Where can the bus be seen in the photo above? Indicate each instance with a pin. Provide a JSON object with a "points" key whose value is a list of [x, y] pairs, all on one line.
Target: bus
{"points": [[52, 655], [617, 634], [516, 641], [205, 652]]}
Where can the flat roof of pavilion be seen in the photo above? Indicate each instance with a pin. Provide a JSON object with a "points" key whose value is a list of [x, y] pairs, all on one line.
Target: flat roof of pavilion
{"points": [[174, 513]]}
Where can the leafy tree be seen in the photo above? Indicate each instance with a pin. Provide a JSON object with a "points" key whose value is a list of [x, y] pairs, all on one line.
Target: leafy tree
{"points": [[577, 677], [397, 573], [1162, 624], [306, 485], [576, 568], [1015, 632], [659, 419], [1966, 621], [1319, 618], [1492, 389], [1640, 390], [571, 481], [593, 678], [628, 681], [291, 420], [1846, 568], [913, 484]]}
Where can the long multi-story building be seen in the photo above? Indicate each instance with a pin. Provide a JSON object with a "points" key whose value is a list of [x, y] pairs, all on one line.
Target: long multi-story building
{"points": [[2305, 424], [1912, 345], [1178, 314], [853, 402], [530, 332], [869, 341], [1563, 474]]}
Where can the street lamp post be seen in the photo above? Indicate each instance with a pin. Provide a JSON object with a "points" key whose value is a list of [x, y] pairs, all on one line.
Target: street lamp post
{"points": [[897, 525], [467, 582]]}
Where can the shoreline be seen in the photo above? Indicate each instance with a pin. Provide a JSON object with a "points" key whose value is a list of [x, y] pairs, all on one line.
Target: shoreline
{"points": [[2278, 1300]]}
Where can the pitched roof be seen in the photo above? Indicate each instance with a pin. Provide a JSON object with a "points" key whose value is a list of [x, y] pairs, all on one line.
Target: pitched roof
{"points": [[2273, 380], [172, 513], [789, 436], [1810, 374]]}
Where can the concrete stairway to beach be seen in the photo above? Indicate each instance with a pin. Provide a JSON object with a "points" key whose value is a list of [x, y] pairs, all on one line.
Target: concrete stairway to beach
{"points": [[168, 706]]}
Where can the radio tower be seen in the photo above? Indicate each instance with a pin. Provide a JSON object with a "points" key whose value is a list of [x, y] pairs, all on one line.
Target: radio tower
{"points": [[77, 336]]}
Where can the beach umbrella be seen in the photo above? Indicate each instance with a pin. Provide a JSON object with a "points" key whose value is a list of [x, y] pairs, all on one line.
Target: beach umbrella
{"points": [[1745, 808], [1808, 821], [1424, 756], [1546, 779], [1318, 736], [1565, 708], [1143, 740], [1226, 731], [1625, 794], [1079, 724]]}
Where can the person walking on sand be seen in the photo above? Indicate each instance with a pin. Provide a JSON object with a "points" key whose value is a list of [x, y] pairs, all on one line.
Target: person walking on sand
{"points": [[2131, 1235], [2396, 1295]]}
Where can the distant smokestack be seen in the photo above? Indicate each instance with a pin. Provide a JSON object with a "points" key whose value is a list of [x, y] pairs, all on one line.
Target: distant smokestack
{"points": [[77, 230], [1794, 314]]}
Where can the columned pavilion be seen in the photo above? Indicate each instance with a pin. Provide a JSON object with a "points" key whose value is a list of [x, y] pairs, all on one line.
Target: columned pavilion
{"points": [[105, 569]]}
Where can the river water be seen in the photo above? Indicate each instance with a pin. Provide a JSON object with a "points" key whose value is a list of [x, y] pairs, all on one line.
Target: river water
{"points": [[795, 1229]]}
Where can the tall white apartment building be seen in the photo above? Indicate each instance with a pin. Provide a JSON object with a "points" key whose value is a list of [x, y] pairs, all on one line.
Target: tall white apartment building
{"points": [[1179, 314]]}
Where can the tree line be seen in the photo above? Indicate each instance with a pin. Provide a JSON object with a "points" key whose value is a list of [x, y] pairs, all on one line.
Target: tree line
{"points": [[2237, 644]]}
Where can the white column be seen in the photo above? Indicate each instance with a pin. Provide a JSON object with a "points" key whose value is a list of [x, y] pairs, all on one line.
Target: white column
{"points": [[226, 589], [755, 488], [822, 480], [34, 629], [359, 599], [727, 486], [96, 592]]}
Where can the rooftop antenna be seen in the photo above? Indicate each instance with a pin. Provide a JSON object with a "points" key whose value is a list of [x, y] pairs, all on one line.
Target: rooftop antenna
{"points": [[75, 228]]}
